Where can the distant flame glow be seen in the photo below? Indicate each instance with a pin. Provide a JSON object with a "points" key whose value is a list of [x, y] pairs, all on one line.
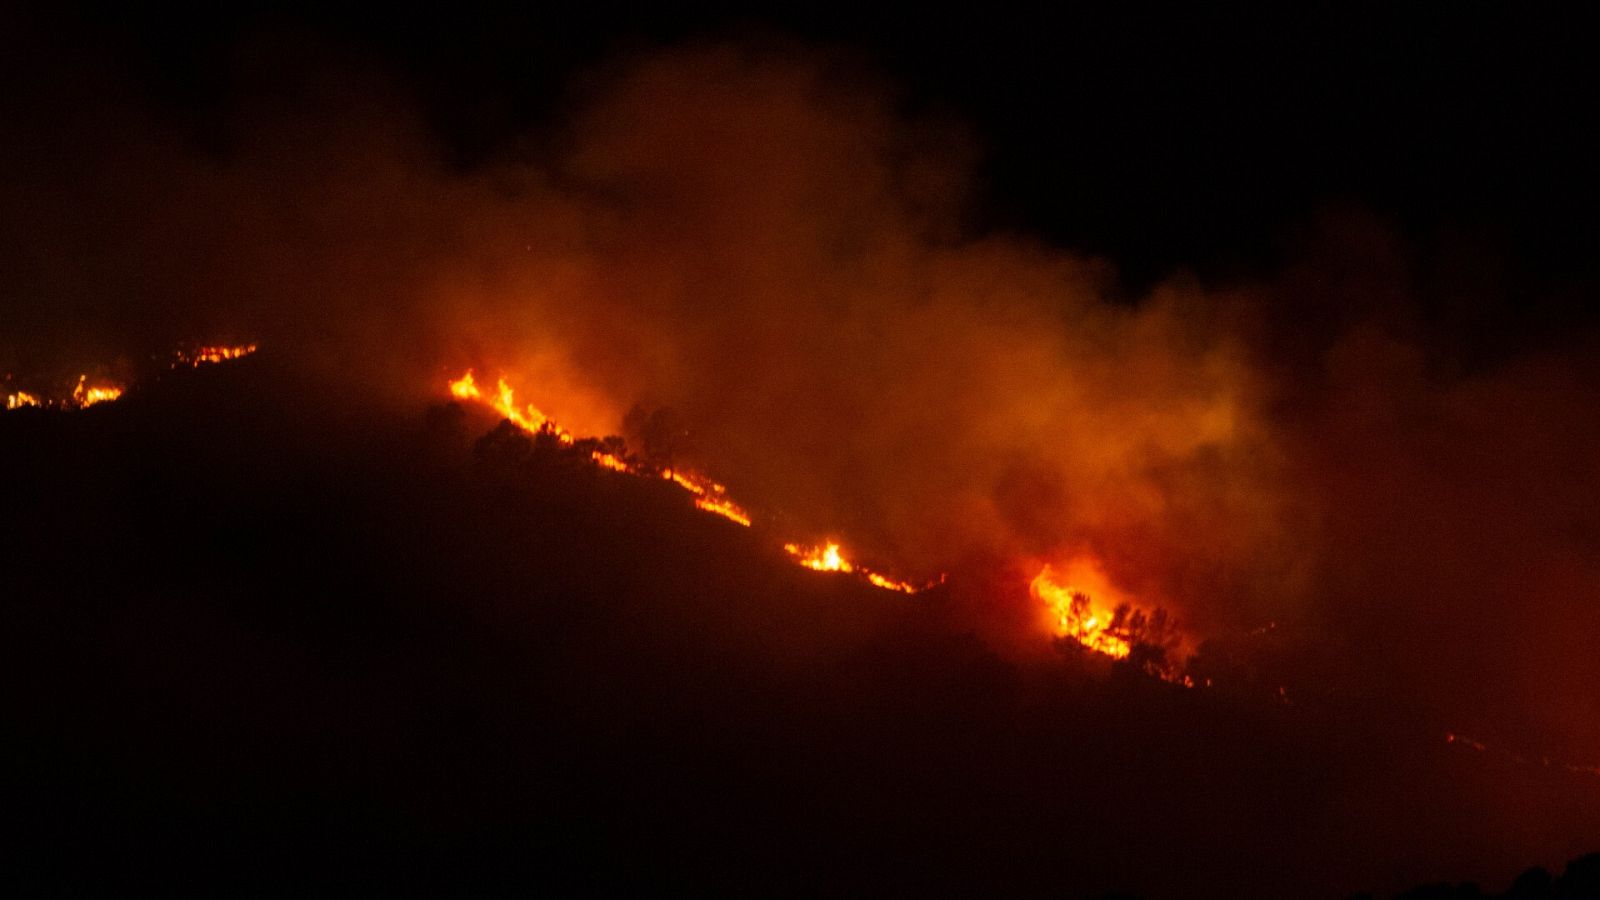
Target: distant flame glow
{"points": [[202, 355], [85, 395], [21, 399]]}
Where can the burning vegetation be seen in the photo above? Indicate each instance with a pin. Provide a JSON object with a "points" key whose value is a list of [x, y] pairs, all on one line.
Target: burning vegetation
{"points": [[1120, 631], [87, 392], [200, 356], [709, 495], [84, 393]]}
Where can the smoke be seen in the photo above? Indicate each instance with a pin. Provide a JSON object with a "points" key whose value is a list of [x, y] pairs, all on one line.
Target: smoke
{"points": [[760, 243]]}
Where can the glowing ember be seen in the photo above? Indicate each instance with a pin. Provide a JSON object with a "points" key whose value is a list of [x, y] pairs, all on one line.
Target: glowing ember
{"points": [[1520, 759]]}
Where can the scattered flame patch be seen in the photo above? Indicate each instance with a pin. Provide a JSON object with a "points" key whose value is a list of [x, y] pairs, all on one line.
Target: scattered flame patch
{"points": [[200, 356], [84, 394], [709, 496], [828, 557], [21, 399]]}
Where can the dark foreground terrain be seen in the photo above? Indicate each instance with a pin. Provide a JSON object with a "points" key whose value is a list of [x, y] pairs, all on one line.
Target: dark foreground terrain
{"points": [[255, 639]]}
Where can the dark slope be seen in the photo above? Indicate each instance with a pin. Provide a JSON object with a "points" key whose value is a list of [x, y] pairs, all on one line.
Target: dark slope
{"points": [[257, 639]]}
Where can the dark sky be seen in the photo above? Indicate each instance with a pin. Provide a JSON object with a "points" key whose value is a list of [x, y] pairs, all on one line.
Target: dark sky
{"points": [[1161, 139]]}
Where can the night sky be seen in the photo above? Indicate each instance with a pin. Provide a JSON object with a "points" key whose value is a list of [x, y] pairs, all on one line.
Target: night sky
{"points": [[1283, 324]]}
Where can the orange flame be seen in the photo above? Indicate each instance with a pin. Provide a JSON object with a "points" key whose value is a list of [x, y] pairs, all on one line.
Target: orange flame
{"points": [[826, 558], [21, 399], [203, 355], [529, 418], [83, 395], [830, 558], [709, 495], [1075, 610]]}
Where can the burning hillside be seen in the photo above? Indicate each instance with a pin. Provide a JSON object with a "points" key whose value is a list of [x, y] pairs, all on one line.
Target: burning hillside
{"points": [[833, 502]]}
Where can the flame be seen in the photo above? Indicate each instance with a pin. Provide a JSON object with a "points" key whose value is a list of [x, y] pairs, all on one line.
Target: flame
{"points": [[529, 418], [829, 557], [202, 355], [826, 558], [21, 399], [1076, 612], [709, 495], [464, 388], [83, 395]]}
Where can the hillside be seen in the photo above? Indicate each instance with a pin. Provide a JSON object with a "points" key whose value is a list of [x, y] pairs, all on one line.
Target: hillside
{"points": [[258, 638]]}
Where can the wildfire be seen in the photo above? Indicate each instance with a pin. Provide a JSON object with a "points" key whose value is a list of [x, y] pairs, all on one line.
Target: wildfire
{"points": [[202, 355], [830, 558], [504, 401], [1077, 614], [709, 495], [1086, 608], [83, 395], [86, 393], [824, 559], [21, 399]]}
